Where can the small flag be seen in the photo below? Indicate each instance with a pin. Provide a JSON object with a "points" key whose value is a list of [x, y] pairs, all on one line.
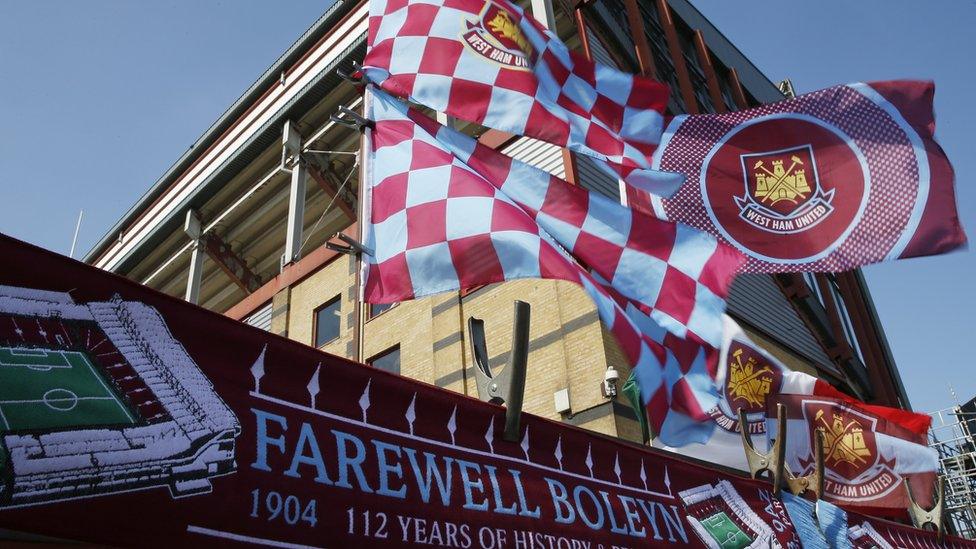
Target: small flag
{"points": [[747, 377], [487, 61], [631, 389], [819, 524], [866, 457], [446, 213], [828, 181]]}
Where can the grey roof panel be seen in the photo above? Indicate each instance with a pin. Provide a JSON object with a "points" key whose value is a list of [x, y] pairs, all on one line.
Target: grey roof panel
{"points": [[757, 300], [593, 178]]}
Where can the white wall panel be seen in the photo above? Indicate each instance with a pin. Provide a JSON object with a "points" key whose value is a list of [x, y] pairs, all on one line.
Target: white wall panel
{"points": [[261, 318], [540, 154]]}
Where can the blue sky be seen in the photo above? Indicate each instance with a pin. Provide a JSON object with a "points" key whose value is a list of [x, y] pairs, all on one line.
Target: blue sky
{"points": [[100, 97]]}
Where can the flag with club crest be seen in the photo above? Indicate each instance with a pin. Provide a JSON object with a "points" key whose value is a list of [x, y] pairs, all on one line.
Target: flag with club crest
{"points": [[747, 377], [828, 181], [867, 457], [446, 213], [489, 62]]}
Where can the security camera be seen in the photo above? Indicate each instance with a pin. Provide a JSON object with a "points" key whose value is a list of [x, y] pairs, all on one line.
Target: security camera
{"points": [[609, 385]]}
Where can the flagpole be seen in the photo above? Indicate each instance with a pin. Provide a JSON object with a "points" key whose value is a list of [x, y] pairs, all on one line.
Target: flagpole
{"points": [[364, 144]]}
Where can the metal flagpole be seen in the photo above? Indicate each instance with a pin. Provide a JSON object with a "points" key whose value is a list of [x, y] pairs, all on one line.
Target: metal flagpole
{"points": [[364, 144]]}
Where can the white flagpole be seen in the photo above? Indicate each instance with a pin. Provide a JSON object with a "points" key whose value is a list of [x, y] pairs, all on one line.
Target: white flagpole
{"points": [[365, 142], [74, 239]]}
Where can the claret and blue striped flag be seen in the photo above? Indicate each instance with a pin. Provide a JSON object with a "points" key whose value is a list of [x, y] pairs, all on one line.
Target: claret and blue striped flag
{"points": [[446, 213], [487, 61]]}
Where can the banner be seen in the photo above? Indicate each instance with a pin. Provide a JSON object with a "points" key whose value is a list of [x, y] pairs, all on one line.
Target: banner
{"points": [[131, 418], [828, 181], [867, 459]]}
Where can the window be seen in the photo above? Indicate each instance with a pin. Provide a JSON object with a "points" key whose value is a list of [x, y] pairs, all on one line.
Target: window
{"points": [[376, 309], [388, 360], [327, 322]]}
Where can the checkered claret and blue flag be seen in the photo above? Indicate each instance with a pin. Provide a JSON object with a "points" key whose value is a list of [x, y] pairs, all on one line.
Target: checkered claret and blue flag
{"points": [[447, 213], [487, 61]]}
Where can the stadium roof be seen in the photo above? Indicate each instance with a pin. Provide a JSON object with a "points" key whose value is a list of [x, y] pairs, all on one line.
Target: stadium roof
{"points": [[753, 80], [314, 33]]}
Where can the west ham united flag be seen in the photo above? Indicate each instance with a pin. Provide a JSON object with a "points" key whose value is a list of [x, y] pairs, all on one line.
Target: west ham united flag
{"points": [[447, 213], [829, 181], [489, 62], [749, 378], [867, 458]]}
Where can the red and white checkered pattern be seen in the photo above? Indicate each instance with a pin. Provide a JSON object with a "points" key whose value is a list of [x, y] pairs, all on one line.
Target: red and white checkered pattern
{"points": [[448, 55], [445, 213], [676, 274]]}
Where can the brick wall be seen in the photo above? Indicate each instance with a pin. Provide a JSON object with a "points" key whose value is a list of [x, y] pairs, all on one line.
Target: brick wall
{"points": [[568, 349]]}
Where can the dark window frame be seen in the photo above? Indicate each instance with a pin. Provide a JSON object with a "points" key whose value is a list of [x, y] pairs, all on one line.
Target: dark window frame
{"points": [[369, 310], [384, 353], [315, 321]]}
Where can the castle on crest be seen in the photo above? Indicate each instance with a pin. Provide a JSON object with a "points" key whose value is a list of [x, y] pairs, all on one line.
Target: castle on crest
{"points": [[780, 183]]}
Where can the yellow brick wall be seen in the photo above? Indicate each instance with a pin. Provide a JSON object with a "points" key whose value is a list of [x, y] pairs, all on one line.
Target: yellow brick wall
{"points": [[451, 367], [569, 349], [546, 361], [408, 325], [280, 307], [627, 428], [566, 348], [587, 355], [335, 278]]}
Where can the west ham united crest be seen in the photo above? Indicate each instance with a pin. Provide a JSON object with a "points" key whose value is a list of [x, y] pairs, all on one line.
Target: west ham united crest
{"points": [[855, 469], [795, 202], [782, 191], [749, 380], [496, 36]]}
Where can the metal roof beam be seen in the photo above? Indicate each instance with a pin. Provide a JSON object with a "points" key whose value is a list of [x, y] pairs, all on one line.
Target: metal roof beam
{"points": [[268, 178], [331, 186], [230, 262], [195, 276], [291, 142]]}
